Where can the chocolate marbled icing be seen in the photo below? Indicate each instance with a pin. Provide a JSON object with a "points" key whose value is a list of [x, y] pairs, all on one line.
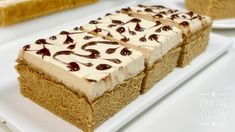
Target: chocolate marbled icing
{"points": [[188, 21], [81, 59], [120, 25], [86, 46], [137, 33]]}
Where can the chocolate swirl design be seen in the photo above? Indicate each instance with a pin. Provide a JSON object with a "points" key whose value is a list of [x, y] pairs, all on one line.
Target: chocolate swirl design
{"points": [[116, 61], [131, 32], [44, 51], [109, 34], [97, 30], [148, 10], [164, 12], [158, 15], [155, 6], [163, 28], [143, 39], [26, 47], [139, 28], [87, 37], [126, 9], [153, 37], [125, 52], [53, 38], [103, 67], [166, 28], [72, 46], [121, 30], [93, 22], [76, 28], [111, 50], [125, 39], [73, 66], [117, 22], [42, 41], [94, 54], [68, 39], [66, 51], [184, 23]]}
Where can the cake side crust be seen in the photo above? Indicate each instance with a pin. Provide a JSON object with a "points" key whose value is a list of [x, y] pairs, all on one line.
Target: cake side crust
{"points": [[194, 45], [160, 69], [74, 107]]}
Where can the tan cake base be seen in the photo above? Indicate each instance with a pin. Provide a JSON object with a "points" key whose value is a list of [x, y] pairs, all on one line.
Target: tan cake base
{"points": [[217, 9], [74, 106], [193, 45], [35, 8], [160, 69]]}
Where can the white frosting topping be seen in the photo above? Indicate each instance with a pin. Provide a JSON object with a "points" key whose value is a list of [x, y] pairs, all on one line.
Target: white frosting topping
{"points": [[5, 3], [84, 62], [153, 39], [189, 22]]}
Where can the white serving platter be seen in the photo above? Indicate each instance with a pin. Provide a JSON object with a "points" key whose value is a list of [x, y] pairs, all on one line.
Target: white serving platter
{"points": [[23, 115], [224, 24]]}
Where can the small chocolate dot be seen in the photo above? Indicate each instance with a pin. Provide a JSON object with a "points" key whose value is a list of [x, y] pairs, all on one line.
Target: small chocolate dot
{"points": [[76, 28], [53, 38], [26, 47], [184, 23]]}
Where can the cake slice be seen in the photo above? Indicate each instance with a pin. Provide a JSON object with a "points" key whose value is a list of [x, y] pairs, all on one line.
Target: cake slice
{"points": [[13, 11], [159, 43], [217, 9], [196, 28], [81, 78]]}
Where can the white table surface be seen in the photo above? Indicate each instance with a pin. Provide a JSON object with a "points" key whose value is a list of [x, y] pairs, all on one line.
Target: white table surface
{"points": [[205, 103]]}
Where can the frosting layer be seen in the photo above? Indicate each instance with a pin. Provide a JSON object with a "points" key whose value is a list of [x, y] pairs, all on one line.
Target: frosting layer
{"points": [[153, 39], [187, 21], [84, 62]]}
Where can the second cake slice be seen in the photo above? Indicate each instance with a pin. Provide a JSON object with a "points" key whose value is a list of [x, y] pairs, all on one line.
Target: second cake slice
{"points": [[196, 28], [159, 43]]}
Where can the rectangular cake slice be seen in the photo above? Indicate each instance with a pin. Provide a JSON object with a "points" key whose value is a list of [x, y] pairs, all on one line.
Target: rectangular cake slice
{"points": [[196, 28], [82, 78], [159, 43], [13, 11]]}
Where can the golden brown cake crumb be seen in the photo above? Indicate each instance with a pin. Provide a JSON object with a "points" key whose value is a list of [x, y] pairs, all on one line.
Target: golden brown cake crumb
{"points": [[217, 9], [73, 106]]}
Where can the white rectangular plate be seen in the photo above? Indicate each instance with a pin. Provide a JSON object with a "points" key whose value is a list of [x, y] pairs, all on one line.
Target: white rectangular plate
{"points": [[23, 115]]}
